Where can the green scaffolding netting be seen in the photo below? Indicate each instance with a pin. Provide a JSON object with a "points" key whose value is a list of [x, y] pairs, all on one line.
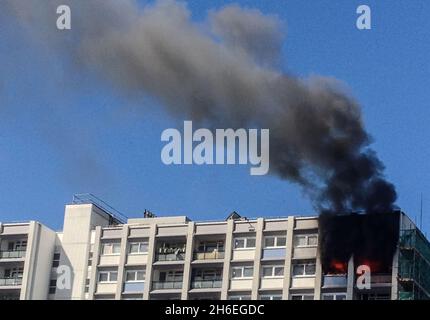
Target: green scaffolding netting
{"points": [[414, 266]]}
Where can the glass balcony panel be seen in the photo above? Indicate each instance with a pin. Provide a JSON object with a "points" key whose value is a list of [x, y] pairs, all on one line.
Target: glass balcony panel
{"points": [[335, 281], [10, 282], [206, 284], [165, 285], [277, 253], [12, 254]]}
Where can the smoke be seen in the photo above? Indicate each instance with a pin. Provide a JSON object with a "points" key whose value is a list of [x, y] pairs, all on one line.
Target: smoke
{"points": [[223, 72], [371, 239], [240, 28]]}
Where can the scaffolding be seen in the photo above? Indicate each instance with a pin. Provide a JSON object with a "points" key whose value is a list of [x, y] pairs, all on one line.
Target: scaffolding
{"points": [[414, 265]]}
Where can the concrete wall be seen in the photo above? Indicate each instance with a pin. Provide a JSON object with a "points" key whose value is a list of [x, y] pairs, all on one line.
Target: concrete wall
{"points": [[40, 250], [241, 284], [79, 221]]}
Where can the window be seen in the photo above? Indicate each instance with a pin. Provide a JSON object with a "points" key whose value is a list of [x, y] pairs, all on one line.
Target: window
{"points": [[138, 247], [111, 248], [273, 271], [239, 243], [242, 272], [306, 240], [87, 285], [108, 276], [52, 286], [275, 241], [334, 296], [209, 274], [304, 269], [302, 297], [135, 276], [171, 276], [90, 258], [56, 260], [239, 297], [20, 245], [15, 273], [242, 243], [210, 246], [271, 297]]}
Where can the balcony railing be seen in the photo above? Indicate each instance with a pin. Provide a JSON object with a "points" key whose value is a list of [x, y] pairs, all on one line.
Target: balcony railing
{"points": [[163, 285], [170, 256], [213, 255], [10, 282], [12, 254], [205, 284], [381, 279]]}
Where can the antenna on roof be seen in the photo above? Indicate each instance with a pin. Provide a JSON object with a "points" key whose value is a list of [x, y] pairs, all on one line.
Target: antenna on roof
{"points": [[421, 213]]}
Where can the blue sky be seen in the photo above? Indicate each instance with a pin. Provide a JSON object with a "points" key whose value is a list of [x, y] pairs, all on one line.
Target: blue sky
{"points": [[59, 137]]}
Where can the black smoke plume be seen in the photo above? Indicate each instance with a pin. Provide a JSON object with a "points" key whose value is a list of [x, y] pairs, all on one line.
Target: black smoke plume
{"points": [[223, 72]]}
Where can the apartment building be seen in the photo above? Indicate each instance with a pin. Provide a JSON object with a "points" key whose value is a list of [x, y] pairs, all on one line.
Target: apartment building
{"points": [[101, 255]]}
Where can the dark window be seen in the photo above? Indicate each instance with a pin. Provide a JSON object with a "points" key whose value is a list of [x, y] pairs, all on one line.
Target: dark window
{"points": [[56, 260], [52, 286]]}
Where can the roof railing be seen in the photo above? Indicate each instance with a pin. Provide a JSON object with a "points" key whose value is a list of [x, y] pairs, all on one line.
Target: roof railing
{"points": [[89, 198]]}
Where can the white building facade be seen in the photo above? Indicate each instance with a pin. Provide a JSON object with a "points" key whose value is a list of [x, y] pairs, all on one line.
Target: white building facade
{"points": [[98, 256]]}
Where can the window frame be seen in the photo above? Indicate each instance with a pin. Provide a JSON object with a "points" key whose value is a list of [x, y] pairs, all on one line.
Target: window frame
{"points": [[245, 243], [242, 268], [270, 297], [273, 273], [275, 242], [335, 295], [109, 276], [139, 247], [135, 276], [304, 274], [112, 245], [302, 295], [239, 297], [306, 236]]}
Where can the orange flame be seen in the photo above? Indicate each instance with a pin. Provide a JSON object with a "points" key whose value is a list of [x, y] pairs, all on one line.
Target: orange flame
{"points": [[338, 267]]}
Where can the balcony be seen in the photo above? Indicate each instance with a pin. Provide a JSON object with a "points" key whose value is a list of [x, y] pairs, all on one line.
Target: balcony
{"points": [[381, 280], [178, 256], [208, 255], [273, 254], [335, 281], [170, 251], [134, 287], [12, 254], [206, 284], [166, 285], [10, 282]]}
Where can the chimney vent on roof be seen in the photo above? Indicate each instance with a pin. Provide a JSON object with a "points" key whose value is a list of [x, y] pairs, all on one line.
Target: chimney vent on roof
{"points": [[148, 214], [234, 216]]}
